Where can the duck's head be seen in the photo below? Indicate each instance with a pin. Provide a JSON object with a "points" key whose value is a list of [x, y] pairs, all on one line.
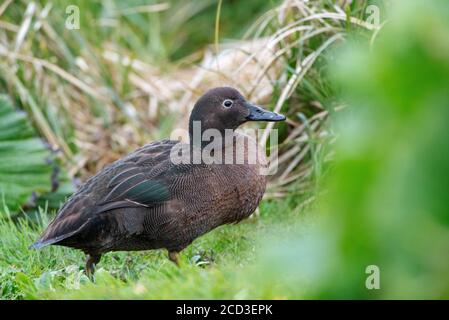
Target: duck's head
{"points": [[225, 108]]}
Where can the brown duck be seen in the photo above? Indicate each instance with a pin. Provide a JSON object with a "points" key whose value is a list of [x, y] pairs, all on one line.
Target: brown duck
{"points": [[148, 201]]}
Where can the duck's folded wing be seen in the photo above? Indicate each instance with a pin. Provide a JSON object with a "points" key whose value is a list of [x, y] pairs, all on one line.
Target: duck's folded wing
{"points": [[133, 188], [137, 180], [130, 192]]}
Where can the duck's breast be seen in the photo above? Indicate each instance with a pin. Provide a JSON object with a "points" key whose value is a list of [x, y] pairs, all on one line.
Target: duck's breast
{"points": [[242, 183]]}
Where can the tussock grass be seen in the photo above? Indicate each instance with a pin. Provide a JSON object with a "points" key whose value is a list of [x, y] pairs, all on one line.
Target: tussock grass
{"points": [[96, 98]]}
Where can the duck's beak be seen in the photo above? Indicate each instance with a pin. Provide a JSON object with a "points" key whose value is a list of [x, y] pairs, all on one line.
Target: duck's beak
{"points": [[257, 113]]}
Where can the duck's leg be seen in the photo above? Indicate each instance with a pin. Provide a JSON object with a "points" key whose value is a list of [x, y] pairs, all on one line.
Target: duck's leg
{"points": [[174, 257], [91, 261]]}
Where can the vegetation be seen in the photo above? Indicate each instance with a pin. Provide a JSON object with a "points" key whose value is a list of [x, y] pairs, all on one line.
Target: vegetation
{"points": [[362, 158], [216, 265], [25, 160]]}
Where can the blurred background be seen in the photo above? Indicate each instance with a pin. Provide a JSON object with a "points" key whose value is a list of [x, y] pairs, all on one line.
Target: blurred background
{"points": [[363, 157]]}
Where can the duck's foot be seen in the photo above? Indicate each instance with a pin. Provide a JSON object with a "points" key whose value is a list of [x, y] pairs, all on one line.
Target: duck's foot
{"points": [[174, 257], [91, 261]]}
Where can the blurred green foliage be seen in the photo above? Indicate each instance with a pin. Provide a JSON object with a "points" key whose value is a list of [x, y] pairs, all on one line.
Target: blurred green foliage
{"points": [[385, 202]]}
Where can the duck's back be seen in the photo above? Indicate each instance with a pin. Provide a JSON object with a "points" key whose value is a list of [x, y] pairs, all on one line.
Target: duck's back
{"points": [[145, 201]]}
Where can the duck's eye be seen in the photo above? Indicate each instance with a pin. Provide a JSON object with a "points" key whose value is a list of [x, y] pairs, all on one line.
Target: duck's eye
{"points": [[228, 103]]}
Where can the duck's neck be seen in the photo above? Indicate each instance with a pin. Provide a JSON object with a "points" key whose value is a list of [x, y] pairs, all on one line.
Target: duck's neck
{"points": [[200, 135], [235, 149]]}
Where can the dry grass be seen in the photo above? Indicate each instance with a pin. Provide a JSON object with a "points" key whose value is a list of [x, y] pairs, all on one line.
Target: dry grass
{"points": [[100, 102]]}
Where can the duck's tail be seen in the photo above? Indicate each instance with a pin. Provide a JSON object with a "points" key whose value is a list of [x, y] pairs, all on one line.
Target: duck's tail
{"points": [[46, 239], [37, 245], [46, 242], [43, 243]]}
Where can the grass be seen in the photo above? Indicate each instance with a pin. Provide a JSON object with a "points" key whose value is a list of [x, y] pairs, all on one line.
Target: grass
{"points": [[222, 264]]}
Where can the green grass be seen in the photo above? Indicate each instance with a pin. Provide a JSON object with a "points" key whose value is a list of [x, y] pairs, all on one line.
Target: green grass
{"points": [[224, 263]]}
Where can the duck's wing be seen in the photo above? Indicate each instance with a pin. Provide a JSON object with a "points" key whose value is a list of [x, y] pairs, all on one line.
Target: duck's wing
{"points": [[131, 188], [136, 180]]}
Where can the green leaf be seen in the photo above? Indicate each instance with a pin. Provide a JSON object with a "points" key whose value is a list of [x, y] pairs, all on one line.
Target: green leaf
{"points": [[25, 162]]}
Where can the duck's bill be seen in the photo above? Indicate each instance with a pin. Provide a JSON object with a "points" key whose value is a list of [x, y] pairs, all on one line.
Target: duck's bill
{"points": [[257, 113]]}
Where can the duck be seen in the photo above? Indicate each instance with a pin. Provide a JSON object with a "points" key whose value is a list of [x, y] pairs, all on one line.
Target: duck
{"points": [[156, 197]]}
